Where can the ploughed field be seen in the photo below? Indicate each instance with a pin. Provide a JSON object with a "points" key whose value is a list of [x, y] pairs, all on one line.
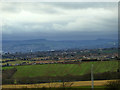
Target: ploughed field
{"points": [[63, 69]]}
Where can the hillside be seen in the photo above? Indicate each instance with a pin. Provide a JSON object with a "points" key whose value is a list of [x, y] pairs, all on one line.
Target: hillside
{"points": [[45, 45]]}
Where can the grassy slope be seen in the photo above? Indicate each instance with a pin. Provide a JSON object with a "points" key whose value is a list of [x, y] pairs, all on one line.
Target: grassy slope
{"points": [[64, 69]]}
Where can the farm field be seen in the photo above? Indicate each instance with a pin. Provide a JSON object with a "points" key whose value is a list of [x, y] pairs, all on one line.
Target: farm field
{"points": [[63, 69], [15, 62], [78, 84]]}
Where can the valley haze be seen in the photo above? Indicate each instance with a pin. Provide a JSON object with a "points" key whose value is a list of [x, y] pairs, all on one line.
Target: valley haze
{"points": [[50, 45]]}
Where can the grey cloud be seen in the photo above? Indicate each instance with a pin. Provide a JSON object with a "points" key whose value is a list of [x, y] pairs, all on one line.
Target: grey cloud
{"points": [[35, 6], [10, 7], [61, 36], [84, 5], [58, 21]]}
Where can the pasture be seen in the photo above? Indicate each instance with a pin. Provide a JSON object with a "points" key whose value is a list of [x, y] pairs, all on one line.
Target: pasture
{"points": [[63, 69]]}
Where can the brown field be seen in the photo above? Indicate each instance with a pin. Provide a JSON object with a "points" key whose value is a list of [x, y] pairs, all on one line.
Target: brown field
{"points": [[59, 84]]}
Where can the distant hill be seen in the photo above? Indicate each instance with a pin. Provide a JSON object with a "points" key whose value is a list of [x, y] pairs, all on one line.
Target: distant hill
{"points": [[45, 45]]}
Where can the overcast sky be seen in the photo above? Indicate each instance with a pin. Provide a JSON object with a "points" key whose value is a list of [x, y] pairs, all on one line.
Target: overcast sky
{"points": [[59, 21]]}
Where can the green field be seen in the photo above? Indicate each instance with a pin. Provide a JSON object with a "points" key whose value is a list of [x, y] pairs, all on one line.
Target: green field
{"points": [[64, 69]]}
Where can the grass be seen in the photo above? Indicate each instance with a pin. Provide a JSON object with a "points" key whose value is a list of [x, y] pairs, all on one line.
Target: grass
{"points": [[5, 68], [63, 69]]}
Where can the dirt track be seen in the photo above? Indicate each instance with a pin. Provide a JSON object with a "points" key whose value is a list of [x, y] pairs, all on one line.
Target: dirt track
{"points": [[57, 84]]}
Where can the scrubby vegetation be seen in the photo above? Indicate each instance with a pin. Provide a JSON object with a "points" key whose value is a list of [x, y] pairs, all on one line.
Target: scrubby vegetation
{"points": [[113, 85]]}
